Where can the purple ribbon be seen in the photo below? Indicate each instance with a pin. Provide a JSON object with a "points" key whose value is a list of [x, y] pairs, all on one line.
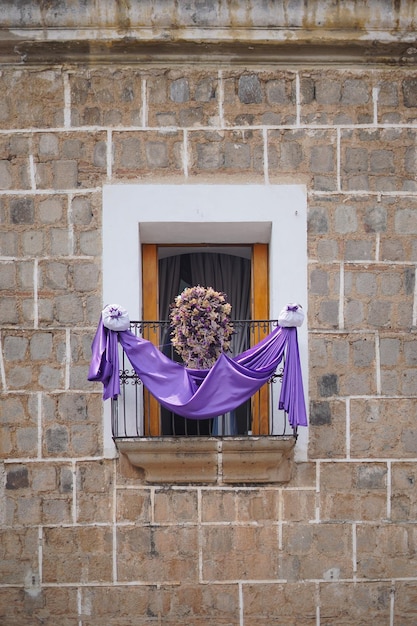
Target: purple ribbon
{"points": [[200, 394]]}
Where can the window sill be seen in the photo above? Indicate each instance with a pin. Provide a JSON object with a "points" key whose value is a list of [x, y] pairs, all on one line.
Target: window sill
{"points": [[207, 460]]}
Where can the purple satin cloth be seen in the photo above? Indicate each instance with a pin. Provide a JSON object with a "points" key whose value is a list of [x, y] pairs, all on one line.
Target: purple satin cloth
{"points": [[200, 394]]}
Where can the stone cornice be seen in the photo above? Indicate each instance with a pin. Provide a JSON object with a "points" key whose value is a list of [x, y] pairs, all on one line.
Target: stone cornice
{"points": [[129, 52], [214, 31], [358, 16]]}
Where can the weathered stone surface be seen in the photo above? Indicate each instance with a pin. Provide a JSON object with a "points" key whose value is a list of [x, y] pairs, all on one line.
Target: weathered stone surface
{"points": [[350, 491], [19, 554], [327, 429], [164, 553], [311, 550], [374, 432], [94, 482], [296, 604], [347, 602], [18, 606], [254, 548], [123, 100], [70, 554], [385, 550]]}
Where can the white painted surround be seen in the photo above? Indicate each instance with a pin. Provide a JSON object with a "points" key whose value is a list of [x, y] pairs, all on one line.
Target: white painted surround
{"points": [[228, 214]]}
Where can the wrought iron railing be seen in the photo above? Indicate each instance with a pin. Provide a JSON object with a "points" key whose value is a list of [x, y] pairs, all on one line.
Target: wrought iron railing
{"points": [[133, 411]]}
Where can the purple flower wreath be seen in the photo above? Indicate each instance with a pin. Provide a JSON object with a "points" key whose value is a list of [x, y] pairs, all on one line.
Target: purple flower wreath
{"points": [[201, 327]]}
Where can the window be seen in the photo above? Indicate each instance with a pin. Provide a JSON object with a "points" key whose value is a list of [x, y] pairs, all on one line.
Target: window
{"points": [[157, 216], [239, 271]]}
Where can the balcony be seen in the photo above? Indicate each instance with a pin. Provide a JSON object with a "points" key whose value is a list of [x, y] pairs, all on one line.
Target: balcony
{"points": [[253, 444]]}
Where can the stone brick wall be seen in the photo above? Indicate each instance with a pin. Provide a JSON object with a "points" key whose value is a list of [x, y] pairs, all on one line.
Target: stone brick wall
{"points": [[82, 545]]}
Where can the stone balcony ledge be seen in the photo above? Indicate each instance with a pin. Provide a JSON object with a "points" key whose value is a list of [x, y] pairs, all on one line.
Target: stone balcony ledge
{"points": [[208, 460]]}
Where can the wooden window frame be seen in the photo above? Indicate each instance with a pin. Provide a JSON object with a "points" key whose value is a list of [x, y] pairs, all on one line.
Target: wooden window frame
{"points": [[259, 309]]}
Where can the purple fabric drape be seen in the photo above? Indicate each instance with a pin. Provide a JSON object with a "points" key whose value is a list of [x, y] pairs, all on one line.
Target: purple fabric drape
{"points": [[200, 394]]}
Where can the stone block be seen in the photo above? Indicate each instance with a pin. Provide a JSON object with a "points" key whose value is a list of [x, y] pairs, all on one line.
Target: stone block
{"points": [[298, 505], [259, 98], [227, 152], [83, 209], [392, 250], [94, 492], [365, 151], [133, 505], [44, 352], [22, 211], [175, 506], [239, 506], [318, 221], [8, 243], [156, 154], [199, 604], [68, 309], [88, 244], [350, 491], [345, 219], [393, 93], [327, 429], [56, 440], [15, 348], [286, 604], [51, 210], [386, 550], [35, 99], [118, 604], [75, 165], [375, 219], [253, 547], [376, 434], [136, 154], [72, 424], [19, 553], [312, 550], [346, 603], [86, 440], [74, 554], [403, 493], [179, 90], [319, 282], [157, 553], [409, 90], [328, 385], [86, 276], [304, 475], [41, 346], [23, 606], [182, 99], [363, 352], [18, 425], [108, 98], [33, 243], [292, 152], [405, 606], [64, 174], [410, 351], [389, 290], [336, 98], [359, 250], [60, 242], [218, 506], [406, 221]]}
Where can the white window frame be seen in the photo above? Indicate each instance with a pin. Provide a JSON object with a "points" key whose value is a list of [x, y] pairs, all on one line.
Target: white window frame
{"points": [[134, 214]]}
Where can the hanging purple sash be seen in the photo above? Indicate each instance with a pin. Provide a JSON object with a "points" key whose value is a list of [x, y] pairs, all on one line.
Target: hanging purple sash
{"points": [[200, 394]]}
